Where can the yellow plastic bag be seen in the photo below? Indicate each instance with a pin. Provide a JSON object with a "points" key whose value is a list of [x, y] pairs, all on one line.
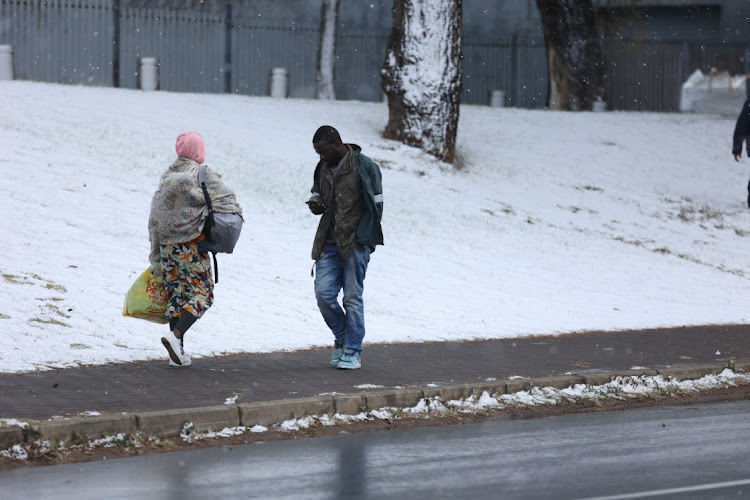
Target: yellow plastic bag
{"points": [[147, 298]]}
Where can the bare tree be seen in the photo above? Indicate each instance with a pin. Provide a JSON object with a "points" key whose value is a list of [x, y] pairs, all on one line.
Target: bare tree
{"points": [[574, 52], [324, 75], [422, 75]]}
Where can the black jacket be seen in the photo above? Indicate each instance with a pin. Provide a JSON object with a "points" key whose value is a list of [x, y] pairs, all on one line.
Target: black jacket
{"points": [[742, 129]]}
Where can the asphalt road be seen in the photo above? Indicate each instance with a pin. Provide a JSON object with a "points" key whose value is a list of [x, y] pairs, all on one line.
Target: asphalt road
{"points": [[698, 451]]}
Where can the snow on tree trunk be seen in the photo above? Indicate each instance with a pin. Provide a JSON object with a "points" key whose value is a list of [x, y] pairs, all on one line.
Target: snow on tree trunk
{"points": [[422, 75], [574, 53], [327, 50]]}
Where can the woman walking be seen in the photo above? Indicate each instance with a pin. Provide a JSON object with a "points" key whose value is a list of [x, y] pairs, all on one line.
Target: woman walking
{"points": [[176, 222]]}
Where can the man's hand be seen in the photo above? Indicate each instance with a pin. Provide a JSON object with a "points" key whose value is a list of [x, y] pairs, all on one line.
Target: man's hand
{"points": [[316, 206]]}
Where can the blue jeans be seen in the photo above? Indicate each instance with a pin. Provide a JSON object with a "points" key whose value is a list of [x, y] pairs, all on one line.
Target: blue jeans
{"points": [[333, 274]]}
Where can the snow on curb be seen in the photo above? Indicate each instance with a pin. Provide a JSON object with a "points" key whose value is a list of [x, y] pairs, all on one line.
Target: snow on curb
{"points": [[620, 387], [12, 422]]}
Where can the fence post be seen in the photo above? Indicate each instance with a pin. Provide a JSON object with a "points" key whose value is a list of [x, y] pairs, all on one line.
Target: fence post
{"points": [[514, 97], [747, 72], [227, 67], [149, 73], [497, 99], [279, 82], [116, 43], [6, 62], [682, 69]]}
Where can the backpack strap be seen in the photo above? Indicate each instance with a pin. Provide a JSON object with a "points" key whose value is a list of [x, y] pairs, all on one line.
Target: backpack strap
{"points": [[216, 268], [202, 182], [210, 219]]}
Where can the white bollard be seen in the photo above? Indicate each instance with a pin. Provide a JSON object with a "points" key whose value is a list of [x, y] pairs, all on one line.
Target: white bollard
{"points": [[598, 106], [497, 98], [6, 62], [279, 82], [149, 73]]}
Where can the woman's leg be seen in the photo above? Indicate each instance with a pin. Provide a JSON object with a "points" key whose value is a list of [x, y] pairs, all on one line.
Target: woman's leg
{"points": [[187, 278]]}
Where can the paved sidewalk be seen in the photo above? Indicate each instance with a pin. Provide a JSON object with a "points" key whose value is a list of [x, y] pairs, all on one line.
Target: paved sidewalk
{"points": [[154, 386]]}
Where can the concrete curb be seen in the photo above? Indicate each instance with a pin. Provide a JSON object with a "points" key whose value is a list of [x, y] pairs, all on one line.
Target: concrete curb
{"points": [[10, 436], [79, 429], [170, 423]]}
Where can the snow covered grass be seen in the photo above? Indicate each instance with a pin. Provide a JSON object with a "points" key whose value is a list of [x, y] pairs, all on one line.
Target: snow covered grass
{"points": [[556, 222]]}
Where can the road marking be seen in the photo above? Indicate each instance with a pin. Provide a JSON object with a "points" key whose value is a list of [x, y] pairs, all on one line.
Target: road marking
{"points": [[669, 491]]}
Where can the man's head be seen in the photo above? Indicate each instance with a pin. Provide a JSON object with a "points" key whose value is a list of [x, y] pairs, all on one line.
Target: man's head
{"points": [[328, 145]]}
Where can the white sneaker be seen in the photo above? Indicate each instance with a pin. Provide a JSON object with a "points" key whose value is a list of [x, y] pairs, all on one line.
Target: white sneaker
{"points": [[174, 348], [186, 361]]}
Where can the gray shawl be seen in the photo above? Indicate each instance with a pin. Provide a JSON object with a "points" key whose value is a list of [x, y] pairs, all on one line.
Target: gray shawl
{"points": [[178, 208]]}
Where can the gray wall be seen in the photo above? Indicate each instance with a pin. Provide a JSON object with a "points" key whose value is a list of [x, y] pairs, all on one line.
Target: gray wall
{"points": [[71, 41], [733, 23]]}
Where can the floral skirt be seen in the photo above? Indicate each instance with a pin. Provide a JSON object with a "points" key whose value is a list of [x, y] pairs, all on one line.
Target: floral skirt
{"points": [[187, 279]]}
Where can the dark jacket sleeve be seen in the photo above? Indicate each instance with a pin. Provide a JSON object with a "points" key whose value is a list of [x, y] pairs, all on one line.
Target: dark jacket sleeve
{"points": [[742, 129], [315, 191]]}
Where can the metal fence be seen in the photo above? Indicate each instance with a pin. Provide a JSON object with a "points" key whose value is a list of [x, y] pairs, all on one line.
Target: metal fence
{"points": [[516, 66], [220, 47], [188, 43], [54, 41], [647, 75]]}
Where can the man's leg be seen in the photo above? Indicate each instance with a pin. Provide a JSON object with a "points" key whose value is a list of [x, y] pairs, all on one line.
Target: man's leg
{"points": [[328, 283], [354, 270]]}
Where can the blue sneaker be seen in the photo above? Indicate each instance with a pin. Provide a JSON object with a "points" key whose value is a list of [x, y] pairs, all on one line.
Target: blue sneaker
{"points": [[338, 350], [350, 361]]}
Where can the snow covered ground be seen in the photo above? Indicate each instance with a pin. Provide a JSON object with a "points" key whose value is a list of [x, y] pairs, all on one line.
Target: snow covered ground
{"points": [[557, 222]]}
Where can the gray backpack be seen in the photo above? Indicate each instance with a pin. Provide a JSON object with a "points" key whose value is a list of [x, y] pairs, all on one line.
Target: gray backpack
{"points": [[222, 230]]}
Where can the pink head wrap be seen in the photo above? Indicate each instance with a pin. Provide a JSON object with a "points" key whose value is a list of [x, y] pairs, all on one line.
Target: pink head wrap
{"points": [[190, 144]]}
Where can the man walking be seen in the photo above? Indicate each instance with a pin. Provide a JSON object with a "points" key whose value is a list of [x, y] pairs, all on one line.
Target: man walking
{"points": [[347, 192], [741, 133]]}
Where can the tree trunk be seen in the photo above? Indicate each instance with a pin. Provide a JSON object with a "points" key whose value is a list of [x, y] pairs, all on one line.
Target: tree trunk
{"points": [[422, 75], [324, 75], [574, 52]]}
